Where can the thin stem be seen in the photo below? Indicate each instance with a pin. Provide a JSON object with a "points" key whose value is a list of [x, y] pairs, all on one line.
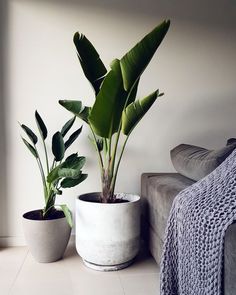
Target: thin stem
{"points": [[98, 152], [109, 148], [118, 137], [43, 178], [113, 158], [113, 182], [53, 164], [41, 171], [46, 156], [105, 149], [46, 210]]}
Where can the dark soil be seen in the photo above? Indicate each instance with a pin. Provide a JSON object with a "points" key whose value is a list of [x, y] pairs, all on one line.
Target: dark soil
{"points": [[38, 215], [120, 201]]}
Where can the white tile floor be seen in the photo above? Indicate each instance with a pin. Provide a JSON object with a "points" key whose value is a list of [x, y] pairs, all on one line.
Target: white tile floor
{"points": [[21, 275]]}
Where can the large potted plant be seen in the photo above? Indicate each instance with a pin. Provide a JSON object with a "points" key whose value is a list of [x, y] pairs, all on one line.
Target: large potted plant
{"points": [[47, 230], [107, 223]]}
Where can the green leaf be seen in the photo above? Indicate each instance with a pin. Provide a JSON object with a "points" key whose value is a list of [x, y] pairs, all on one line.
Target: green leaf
{"points": [[133, 92], [73, 137], [41, 126], [71, 159], [90, 61], [30, 134], [134, 112], [58, 146], [84, 115], [31, 148], [136, 60], [68, 214], [71, 182], [106, 113], [72, 162], [71, 167], [68, 172], [53, 175], [75, 107], [67, 126]]}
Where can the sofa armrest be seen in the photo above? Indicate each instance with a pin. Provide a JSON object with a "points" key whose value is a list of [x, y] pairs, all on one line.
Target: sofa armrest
{"points": [[230, 261]]}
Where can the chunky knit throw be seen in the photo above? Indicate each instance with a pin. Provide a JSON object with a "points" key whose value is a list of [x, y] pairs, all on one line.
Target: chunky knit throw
{"points": [[193, 245]]}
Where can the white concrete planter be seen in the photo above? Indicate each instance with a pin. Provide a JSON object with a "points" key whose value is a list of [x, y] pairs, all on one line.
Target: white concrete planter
{"points": [[46, 239], [107, 235]]}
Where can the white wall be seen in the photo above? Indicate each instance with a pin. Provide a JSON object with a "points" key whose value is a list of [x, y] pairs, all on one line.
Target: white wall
{"points": [[195, 67], [3, 187]]}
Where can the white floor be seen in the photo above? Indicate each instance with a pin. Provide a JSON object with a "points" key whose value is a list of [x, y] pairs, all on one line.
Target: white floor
{"points": [[21, 275]]}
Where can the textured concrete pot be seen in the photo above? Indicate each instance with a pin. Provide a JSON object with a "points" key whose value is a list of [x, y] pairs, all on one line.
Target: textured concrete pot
{"points": [[107, 235], [46, 239]]}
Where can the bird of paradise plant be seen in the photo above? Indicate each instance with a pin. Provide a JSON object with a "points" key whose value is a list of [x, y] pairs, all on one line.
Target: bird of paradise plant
{"points": [[116, 110], [61, 173]]}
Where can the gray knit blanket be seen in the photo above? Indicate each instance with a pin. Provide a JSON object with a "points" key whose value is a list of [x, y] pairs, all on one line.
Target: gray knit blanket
{"points": [[193, 246]]}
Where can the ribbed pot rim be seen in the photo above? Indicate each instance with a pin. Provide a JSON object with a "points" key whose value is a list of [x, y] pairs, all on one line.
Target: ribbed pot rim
{"points": [[84, 198], [24, 216]]}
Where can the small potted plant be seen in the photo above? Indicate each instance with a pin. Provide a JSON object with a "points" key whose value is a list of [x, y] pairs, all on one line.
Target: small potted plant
{"points": [[108, 223], [47, 230]]}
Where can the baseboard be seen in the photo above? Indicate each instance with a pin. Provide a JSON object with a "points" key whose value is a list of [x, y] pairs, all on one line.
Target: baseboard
{"points": [[12, 241], [20, 241]]}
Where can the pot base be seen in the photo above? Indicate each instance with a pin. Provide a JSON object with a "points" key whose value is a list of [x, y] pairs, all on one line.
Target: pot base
{"points": [[107, 267]]}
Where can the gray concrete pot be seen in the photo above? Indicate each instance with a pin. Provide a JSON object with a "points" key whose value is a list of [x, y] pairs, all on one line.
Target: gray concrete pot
{"points": [[46, 239], [107, 235]]}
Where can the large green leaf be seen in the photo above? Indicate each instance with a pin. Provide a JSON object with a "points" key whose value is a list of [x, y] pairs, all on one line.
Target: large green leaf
{"points": [[31, 148], [136, 60], [134, 112], [74, 163], [71, 162], [68, 172], [84, 114], [133, 92], [73, 137], [68, 214], [71, 167], [58, 146], [106, 113], [76, 107], [71, 182], [67, 126], [90, 61], [41, 125], [30, 134]]}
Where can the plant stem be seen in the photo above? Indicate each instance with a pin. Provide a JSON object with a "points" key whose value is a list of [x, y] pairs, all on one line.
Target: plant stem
{"points": [[43, 178], [113, 158], [117, 167], [109, 149], [53, 164], [98, 152], [46, 156], [115, 149], [46, 210], [105, 151]]}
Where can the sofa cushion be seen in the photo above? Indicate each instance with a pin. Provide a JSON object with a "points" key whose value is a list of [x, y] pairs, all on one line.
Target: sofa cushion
{"points": [[159, 191], [231, 141], [196, 162]]}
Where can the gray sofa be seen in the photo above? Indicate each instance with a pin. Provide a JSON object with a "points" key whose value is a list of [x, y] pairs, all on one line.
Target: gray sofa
{"points": [[158, 191]]}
